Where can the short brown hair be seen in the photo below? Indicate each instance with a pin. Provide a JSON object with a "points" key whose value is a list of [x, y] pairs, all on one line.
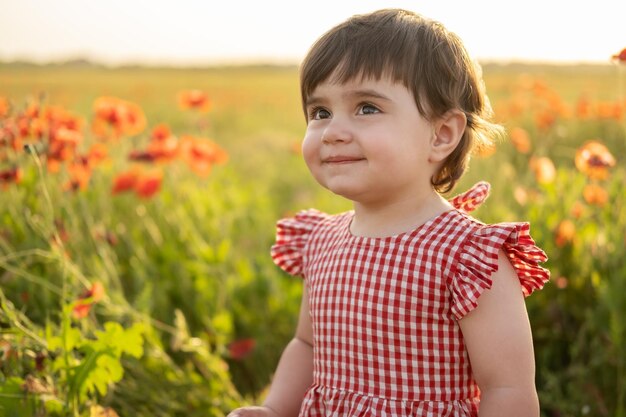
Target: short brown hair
{"points": [[420, 53]]}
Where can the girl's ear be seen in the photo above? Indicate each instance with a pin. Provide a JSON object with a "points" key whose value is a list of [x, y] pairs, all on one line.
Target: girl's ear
{"points": [[447, 132]]}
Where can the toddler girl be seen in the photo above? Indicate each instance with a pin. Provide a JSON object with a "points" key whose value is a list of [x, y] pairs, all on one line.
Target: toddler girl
{"points": [[411, 307]]}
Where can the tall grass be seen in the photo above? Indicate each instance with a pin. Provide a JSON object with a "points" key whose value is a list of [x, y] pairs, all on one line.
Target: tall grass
{"points": [[186, 272]]}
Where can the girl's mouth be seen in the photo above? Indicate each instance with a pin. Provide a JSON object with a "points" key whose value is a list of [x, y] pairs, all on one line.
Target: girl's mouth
{"points": [[342, 159]]}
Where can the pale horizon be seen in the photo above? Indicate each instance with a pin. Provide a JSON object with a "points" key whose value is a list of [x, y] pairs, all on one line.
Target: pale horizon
{"points": [[198, 33]]}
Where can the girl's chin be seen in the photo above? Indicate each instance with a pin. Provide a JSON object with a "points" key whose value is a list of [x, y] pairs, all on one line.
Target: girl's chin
{"points": [[349, 193]]}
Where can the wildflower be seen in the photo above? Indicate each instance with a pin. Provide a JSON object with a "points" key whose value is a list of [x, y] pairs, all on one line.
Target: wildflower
{"points": [[81, 310], [620, 57], [609, 110], [80, 174], [159, 150], [11, 175], [520, 139], [577, 210], [545, 118], [194, 100], [594, 160], [544, 169], [144, 183], [200, 154], [163, 147], [98, 152], [142, 156], [62, 147], [126, 180], [239, 349], [82, 306], [583, 107], [4, 107], [66, 136], [57, 117], [95, 292], [596, 195], [160, 132], [149, 183], [120, 116], [565, 232]]}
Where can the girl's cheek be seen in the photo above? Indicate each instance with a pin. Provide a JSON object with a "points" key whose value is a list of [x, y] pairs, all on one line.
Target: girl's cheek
{"points": [[311, 150]]}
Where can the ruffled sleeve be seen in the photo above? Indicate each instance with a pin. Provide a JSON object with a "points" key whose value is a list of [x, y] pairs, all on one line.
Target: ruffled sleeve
{"points": [[472, 198], [478, 260], [292, 235]]}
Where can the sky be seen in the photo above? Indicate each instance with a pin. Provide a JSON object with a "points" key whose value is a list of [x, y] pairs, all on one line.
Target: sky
{"points": [[200, 32]]}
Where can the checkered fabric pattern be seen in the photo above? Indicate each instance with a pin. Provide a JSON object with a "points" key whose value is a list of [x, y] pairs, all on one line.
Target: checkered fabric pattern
{"points": [[385, 311]]}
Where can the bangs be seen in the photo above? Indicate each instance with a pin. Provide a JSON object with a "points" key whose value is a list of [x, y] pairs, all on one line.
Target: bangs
{"points": [[359, 49]]}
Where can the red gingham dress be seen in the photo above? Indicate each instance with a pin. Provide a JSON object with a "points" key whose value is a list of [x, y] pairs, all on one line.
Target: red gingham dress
{"points": [[385, 311]]}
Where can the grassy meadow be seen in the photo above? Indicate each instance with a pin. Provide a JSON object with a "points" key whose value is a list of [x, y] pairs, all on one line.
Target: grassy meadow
{"points": [[137, 208]]}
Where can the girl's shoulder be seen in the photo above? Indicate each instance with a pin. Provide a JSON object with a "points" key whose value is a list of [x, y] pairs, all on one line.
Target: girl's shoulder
{"points": [[305, 221], [294, 232], [478, 246]]}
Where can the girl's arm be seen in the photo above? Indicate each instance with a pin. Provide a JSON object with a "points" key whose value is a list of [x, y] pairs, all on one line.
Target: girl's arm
{"points": [[293, 376], [499, 342]]}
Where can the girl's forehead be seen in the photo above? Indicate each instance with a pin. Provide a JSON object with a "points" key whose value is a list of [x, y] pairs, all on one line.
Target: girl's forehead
{"points": [[334, 83], [342, 75]]}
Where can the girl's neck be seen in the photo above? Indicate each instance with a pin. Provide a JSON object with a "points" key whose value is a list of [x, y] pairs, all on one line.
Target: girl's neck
{"points": [[384, 220]]}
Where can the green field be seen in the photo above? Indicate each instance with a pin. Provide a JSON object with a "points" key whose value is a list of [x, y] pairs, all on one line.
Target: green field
{"points": [[189, 315]]}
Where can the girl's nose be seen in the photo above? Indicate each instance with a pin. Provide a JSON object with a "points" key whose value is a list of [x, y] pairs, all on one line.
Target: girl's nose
{"points": [[336, 131]]}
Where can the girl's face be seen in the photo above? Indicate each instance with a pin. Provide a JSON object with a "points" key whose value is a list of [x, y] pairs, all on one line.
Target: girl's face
{"points": [[367, 141]]}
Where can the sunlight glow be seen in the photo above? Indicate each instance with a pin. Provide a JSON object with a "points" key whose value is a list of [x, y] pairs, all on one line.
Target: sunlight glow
{"points": [[201, 32]]}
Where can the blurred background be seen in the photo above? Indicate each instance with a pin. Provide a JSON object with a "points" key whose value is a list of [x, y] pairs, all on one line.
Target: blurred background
{"points": [[147, 150], [200, 32]]}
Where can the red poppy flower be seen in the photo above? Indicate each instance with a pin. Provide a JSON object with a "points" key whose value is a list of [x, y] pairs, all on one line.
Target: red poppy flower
{"points": [[86, 300], [126, 180], [594, 160], [81, 309], [142, 156], [595, 195], [240, 349], [11, 175], [194, 100], [565, 232], [80, 174], [520, 139], [160, 132], [149, 183], [4, 107], [120, 116], [95, 292], [200, 154], [98, 152]]}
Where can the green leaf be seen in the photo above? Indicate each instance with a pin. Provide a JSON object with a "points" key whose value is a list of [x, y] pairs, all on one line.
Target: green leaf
{"points": [[13, 401], [134, 340]]}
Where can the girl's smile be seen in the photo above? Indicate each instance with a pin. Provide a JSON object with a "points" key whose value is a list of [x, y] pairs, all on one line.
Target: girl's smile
{"points": [[341, 159]]}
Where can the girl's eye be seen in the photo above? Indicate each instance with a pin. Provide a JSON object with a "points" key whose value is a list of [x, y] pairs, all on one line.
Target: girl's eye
{"points": [[319, 113], [368, 109]]}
